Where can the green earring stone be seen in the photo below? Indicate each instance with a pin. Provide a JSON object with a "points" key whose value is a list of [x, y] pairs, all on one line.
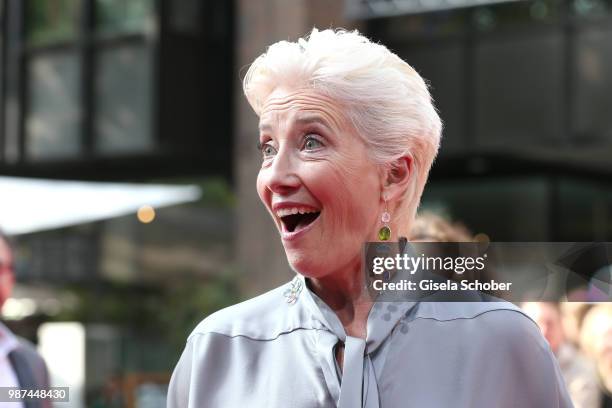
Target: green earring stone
{"points": [[384, 233]]}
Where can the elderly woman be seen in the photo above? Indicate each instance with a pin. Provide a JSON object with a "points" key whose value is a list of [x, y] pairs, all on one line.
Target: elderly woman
{"points": [[348, 133]]}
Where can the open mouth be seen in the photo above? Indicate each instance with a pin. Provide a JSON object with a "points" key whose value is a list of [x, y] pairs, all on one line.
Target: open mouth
{"points": [[296, 222]]}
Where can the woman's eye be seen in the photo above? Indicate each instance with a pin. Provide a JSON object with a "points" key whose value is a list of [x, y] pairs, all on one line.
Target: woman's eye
{"points": [[312, 143], [268, 150]]}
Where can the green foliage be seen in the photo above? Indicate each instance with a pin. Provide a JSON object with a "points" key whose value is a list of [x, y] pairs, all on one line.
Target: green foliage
{"points": [[51, 21], [216, 192], [188, 303], [168, 313], [123, 16]]}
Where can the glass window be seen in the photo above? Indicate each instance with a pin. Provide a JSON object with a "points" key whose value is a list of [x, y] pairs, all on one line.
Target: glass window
{"points": [[421, 26], [504, 209], [124, 16], [443, 67], [593, 99], [51, 21], [519, 91], [515, 15], [185, 16], [122, 93], [52, 121], [591, 8], [585, 211]]}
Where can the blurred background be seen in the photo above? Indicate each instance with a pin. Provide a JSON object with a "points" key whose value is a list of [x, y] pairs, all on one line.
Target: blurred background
{"points": [[138, 104]]}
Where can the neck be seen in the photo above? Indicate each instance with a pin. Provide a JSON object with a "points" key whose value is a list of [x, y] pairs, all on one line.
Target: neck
{"points": [[345, 293]]}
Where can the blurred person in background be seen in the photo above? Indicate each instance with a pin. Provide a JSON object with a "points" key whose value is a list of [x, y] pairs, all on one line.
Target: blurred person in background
{"points": [[20, 364], [572, 314], [431, 227], [578, 371], [596, 339], [348, 133]]}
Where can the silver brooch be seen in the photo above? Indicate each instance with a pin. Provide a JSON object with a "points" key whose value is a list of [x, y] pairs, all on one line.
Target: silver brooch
{"points": [[293, 291]]}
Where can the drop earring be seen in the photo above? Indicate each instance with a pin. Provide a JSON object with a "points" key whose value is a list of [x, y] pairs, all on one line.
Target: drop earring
{"points": [[384, 233]]}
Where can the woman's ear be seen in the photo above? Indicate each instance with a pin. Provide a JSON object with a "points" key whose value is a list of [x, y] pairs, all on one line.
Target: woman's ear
{"points": [[397, 177]]}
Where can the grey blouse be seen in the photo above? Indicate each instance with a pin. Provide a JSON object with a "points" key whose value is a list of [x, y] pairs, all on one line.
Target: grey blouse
{"points": [[278, 350]]}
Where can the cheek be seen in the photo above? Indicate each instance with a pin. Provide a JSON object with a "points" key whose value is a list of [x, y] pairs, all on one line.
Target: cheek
{"points": [[349, 193], [261, 187]]}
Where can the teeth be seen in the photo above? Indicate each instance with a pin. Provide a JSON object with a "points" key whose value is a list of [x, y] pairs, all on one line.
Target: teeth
{"points": [[295, 210]]}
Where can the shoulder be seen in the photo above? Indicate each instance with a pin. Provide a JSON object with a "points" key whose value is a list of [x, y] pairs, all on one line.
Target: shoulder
{"points": [[264, 317], [448, 311], [499, 330], [499, 319], [506, 341], [212, 346], [26, 353]]}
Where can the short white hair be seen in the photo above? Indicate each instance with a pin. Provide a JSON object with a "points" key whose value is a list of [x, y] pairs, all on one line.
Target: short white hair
{"points": [[385, 99]]}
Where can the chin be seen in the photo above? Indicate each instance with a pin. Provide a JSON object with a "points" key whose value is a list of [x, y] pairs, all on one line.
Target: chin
{"points": [[305, 264]]}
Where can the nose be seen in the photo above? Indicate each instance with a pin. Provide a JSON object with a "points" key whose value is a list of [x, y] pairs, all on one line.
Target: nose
{"points": [[281, 175]]}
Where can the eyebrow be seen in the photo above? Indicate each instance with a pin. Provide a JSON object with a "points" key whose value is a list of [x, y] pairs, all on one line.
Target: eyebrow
{"points": [[301, 120]]}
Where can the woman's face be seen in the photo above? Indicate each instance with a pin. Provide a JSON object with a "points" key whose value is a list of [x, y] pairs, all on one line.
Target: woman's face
{"points": [[317, 181]]}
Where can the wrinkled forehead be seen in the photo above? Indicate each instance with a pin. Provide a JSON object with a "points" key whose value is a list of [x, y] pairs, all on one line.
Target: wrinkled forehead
{"points": [[284, 107]]}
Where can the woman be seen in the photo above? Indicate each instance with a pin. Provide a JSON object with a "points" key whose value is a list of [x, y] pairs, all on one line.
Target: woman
{"points": [[348, 133]]}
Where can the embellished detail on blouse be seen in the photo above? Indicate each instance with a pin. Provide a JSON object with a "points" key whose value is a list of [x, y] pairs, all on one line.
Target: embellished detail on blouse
{"points": [[293, 291]]}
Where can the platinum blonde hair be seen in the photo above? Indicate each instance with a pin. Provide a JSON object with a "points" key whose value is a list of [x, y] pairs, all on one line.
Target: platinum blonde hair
{"points": [[384, 98]]}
